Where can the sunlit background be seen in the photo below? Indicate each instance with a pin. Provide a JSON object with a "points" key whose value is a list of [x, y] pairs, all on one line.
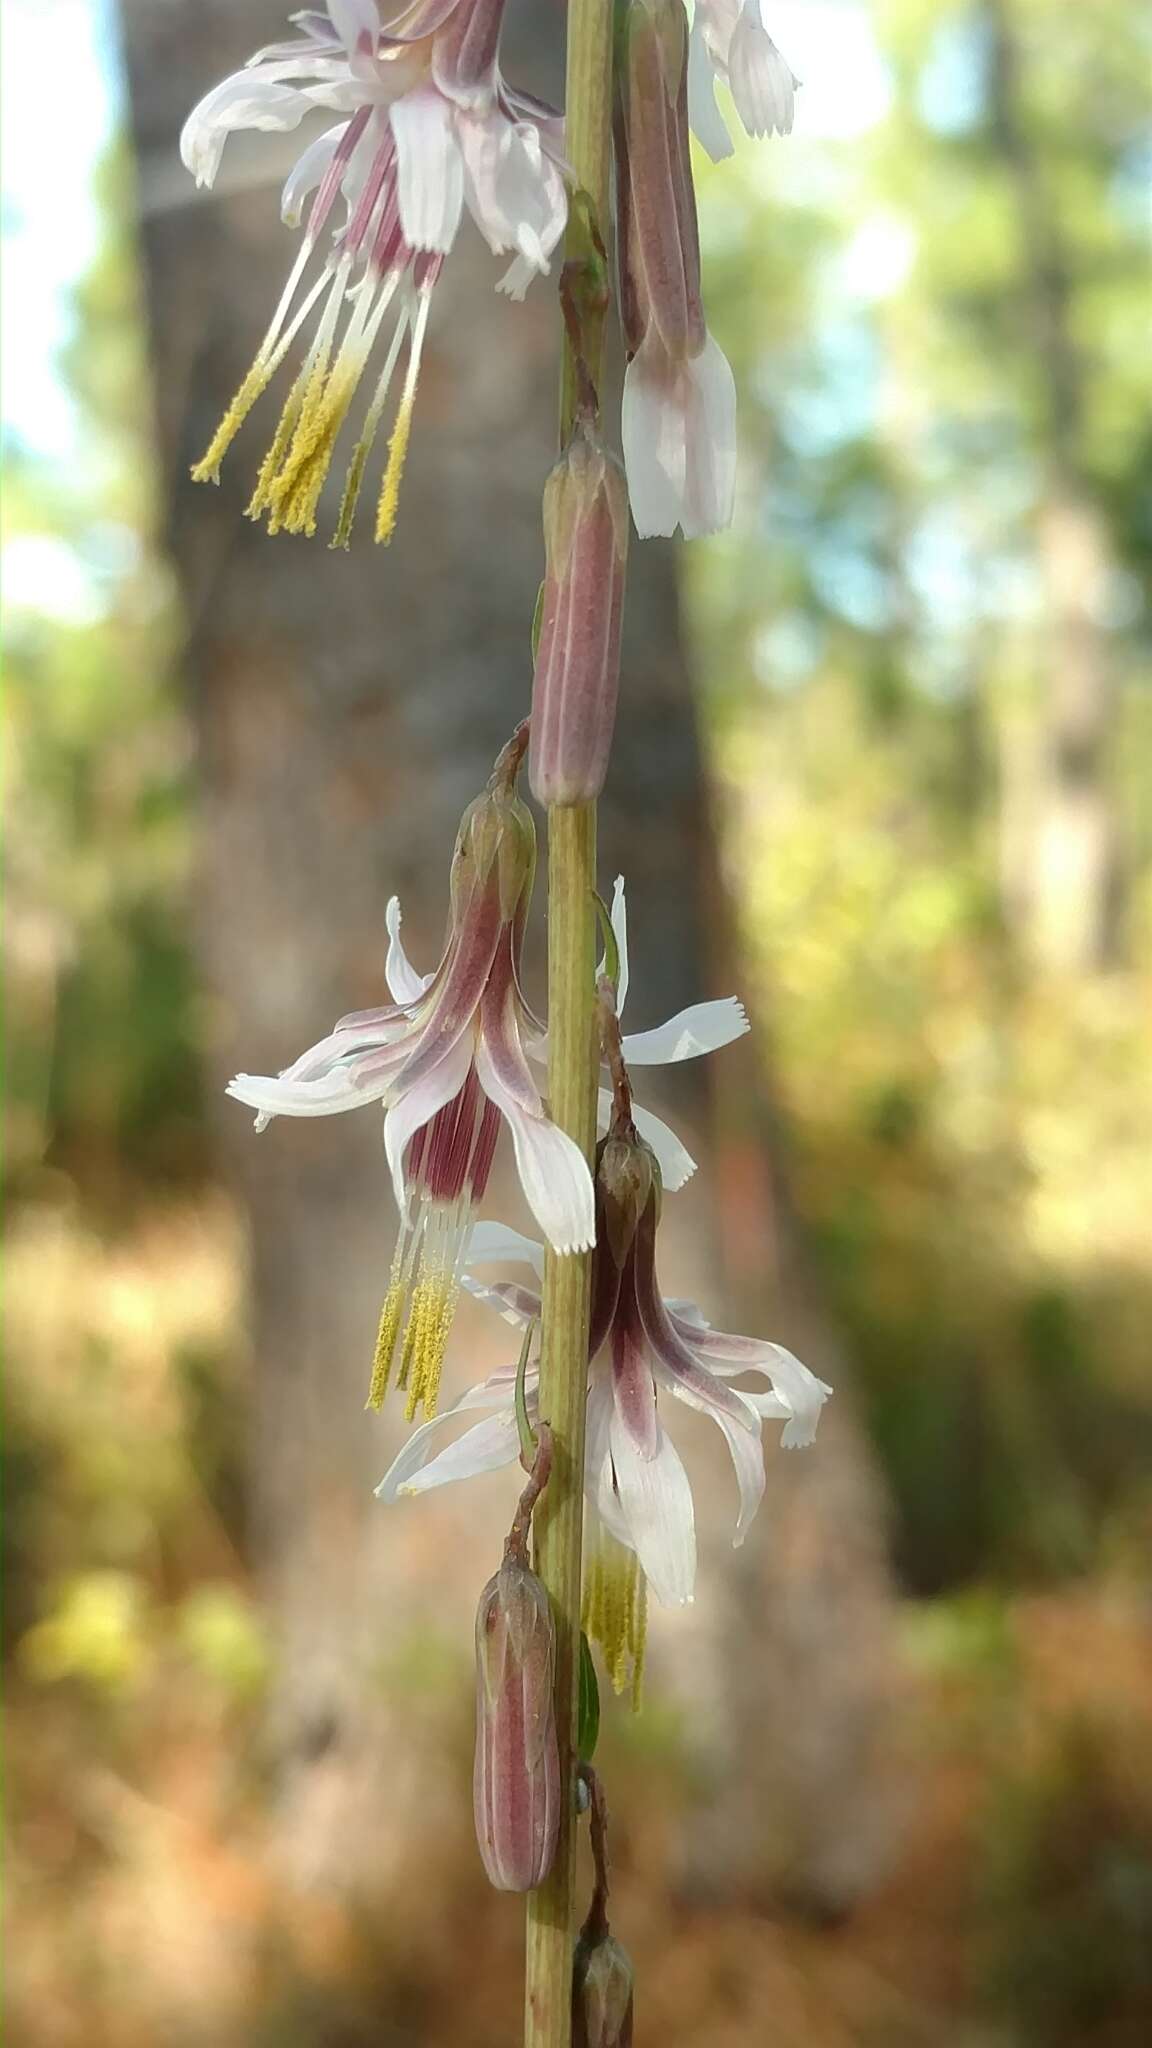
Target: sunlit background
{"points": [[921, 672]]}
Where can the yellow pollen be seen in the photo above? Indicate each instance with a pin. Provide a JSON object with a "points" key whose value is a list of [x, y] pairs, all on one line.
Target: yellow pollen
{"points": [[394, 474], [426, 1340], [386, 1336], [401, 432], [294, 494], [207, 470], [363, 448], [615, 1613], [285, 427]]}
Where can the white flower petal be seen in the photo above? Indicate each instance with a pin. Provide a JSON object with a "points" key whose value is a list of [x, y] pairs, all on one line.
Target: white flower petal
{"points": [[704, 117], [618, 917], [357, 23], [328, 1095], [744, 1444], [710, 436], [248, 99], [553, 1171], [704, 1027], [652, 432], [674, 1159], [491, 1242], [762, 85], [307, 172], [656, 1503], [420, 1102], [804, 1394], [404, 984], [484, 1448], [430, 170]]}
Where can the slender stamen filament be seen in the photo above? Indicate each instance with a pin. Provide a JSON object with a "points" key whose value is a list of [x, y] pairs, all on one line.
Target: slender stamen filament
{"points": [[398, 444]]}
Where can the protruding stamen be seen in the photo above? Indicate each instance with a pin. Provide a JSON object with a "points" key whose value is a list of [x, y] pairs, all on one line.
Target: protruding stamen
{"points": [[269, 357], [363, 448], [401, 432], [294, 494]]}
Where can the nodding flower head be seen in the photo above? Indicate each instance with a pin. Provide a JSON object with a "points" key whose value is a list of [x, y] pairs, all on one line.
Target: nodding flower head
{"points": [[428, 127], [448, 1058]]}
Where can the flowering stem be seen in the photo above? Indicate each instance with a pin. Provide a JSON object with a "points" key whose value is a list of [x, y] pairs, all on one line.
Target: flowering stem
{"points": [[563, 1384], [572, 1078]]}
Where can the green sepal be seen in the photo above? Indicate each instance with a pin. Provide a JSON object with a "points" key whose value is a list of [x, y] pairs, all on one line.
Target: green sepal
{"points": [[588, 1714], [523, 1426], [610, 965]]}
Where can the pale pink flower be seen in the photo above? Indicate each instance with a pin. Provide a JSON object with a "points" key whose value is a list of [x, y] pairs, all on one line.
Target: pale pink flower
{"points": [[641, 1347], [429, 128]]}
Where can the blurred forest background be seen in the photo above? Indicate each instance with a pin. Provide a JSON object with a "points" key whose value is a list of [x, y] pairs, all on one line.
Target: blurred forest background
{"points": [[919, 798]]}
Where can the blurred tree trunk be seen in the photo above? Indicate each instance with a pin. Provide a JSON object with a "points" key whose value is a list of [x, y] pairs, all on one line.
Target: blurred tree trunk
{"points": [[347, 709], [1062, 856]]}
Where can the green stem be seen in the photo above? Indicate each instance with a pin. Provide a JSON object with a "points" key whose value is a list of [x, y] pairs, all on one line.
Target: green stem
{"points": [[563, 1382], [573, 1069]]}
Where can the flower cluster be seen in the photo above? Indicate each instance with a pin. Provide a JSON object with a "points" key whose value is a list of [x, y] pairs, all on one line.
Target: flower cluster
{"points": [[427, 129], [430, 128]]}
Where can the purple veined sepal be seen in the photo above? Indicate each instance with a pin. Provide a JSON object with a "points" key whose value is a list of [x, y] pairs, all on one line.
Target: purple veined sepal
{"points": [[678, 415], [577, 669]]}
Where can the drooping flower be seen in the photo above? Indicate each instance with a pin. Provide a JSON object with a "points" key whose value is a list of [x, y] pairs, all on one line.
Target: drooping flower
{"points": [[730, 42], [678, 418], [640, 1347], [447, 1058], [429, 126]]}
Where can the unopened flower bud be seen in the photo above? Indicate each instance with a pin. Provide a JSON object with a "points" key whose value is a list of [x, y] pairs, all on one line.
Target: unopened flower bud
{"points": [[578, 656], [626, 1178], [516, 1786], [602, 1983]]}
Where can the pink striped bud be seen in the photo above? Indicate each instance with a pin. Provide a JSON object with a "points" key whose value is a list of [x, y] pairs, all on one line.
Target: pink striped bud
{"points": [[516, 1785], [578, 656], [601, 1994], [657, 234]]}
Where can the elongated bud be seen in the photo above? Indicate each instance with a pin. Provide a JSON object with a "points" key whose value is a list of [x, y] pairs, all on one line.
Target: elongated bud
{"points": [[516, 1786], [657, 234], [578, 656], [602, 1985]]}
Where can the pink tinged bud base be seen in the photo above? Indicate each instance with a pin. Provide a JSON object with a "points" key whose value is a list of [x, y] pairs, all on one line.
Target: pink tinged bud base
{"points": [[578, 658], [516, 1784]]}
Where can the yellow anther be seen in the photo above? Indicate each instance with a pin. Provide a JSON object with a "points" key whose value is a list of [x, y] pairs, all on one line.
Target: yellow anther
{"points": [[386, 1337], [615, 1613], [207, 470], [281, 439], [389, 503], [426, 1340]]}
